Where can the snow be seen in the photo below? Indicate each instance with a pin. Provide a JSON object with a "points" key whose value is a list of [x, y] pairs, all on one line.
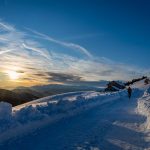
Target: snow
{"points": [[50, 109], [79, 120], [140, 84], [144, 106], [5, 111]]}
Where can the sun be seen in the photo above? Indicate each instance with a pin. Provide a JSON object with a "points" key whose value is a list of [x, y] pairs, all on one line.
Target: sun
{"points": [[13, 75]]}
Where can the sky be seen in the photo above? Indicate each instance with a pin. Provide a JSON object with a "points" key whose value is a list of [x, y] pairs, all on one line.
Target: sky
{"points": [[66, 41]]}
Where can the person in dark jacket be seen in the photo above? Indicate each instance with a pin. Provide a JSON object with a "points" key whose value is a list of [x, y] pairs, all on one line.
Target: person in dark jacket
{"points": [[129, 92]]}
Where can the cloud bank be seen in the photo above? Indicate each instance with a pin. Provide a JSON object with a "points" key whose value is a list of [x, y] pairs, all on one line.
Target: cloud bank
{"points": [[37, 63]]}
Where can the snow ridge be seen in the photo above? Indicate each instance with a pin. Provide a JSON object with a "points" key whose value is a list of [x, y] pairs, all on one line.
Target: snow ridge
{"points": [[144, 106], [18, 121]]}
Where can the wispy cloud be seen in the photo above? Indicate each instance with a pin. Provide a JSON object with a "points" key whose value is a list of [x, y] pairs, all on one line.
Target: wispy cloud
{"points": [[38, 63], [5, 51], [66, 44], [36, 50], [6, 27]]}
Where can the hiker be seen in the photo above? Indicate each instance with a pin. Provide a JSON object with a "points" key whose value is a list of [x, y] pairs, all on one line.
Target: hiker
{"points": [[129, 92]]}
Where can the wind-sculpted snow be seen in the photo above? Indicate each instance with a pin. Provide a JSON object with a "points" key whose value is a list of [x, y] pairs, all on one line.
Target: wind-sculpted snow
{"points": [[33, 115], [5, 111], [148, 91], [144, 106]]}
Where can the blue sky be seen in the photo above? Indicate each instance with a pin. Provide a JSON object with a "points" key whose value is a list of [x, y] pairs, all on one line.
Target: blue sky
{"points": [[117, 32]]}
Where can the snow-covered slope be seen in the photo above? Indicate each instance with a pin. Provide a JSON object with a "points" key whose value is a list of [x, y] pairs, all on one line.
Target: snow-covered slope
{"points": [[144, 101], [46, 110], [144, 106], [140, 85], [86, 119]]}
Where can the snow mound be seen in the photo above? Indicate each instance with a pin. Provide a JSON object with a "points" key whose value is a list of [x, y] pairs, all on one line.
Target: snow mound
{"points": [[144, 106], [30, 116], [148, 91], [5, 111]]}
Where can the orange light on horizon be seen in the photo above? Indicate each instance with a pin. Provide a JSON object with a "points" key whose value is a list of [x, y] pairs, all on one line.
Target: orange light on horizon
{"points": [[13, 75]]}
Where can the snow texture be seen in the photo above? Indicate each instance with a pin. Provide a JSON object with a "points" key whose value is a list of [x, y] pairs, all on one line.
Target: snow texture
{"points": [[110, 120], [144, 106], [20, 119], [5, 111]]}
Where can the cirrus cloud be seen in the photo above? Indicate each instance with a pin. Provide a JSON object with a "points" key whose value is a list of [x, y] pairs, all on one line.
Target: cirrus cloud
{"points": [[38, 63]]}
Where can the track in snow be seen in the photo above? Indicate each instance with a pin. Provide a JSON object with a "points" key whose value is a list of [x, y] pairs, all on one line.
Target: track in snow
{"points": [[111, 126]]}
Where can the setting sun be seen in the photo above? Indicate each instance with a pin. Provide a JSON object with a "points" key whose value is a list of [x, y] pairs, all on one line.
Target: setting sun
{"points": [[13, 75]]}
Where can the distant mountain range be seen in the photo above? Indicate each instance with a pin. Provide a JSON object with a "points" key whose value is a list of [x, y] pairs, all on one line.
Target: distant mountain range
{"points": [[25, 94], [52, 89], [22, 95], [18, 96]]}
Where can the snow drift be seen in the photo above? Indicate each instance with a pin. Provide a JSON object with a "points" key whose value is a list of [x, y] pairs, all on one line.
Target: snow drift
{"points": [[144, 106], [20, 119]]}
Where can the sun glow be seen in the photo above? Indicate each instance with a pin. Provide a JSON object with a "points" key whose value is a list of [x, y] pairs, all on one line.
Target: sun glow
{"points": [[13, 75]]}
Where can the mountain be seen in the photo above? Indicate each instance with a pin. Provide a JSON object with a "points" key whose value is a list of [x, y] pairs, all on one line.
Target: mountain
{"points": [[18, 96], [22, 95], [79, 120], [27, 93], [58, 89], [11, 97], [52, 89]]}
